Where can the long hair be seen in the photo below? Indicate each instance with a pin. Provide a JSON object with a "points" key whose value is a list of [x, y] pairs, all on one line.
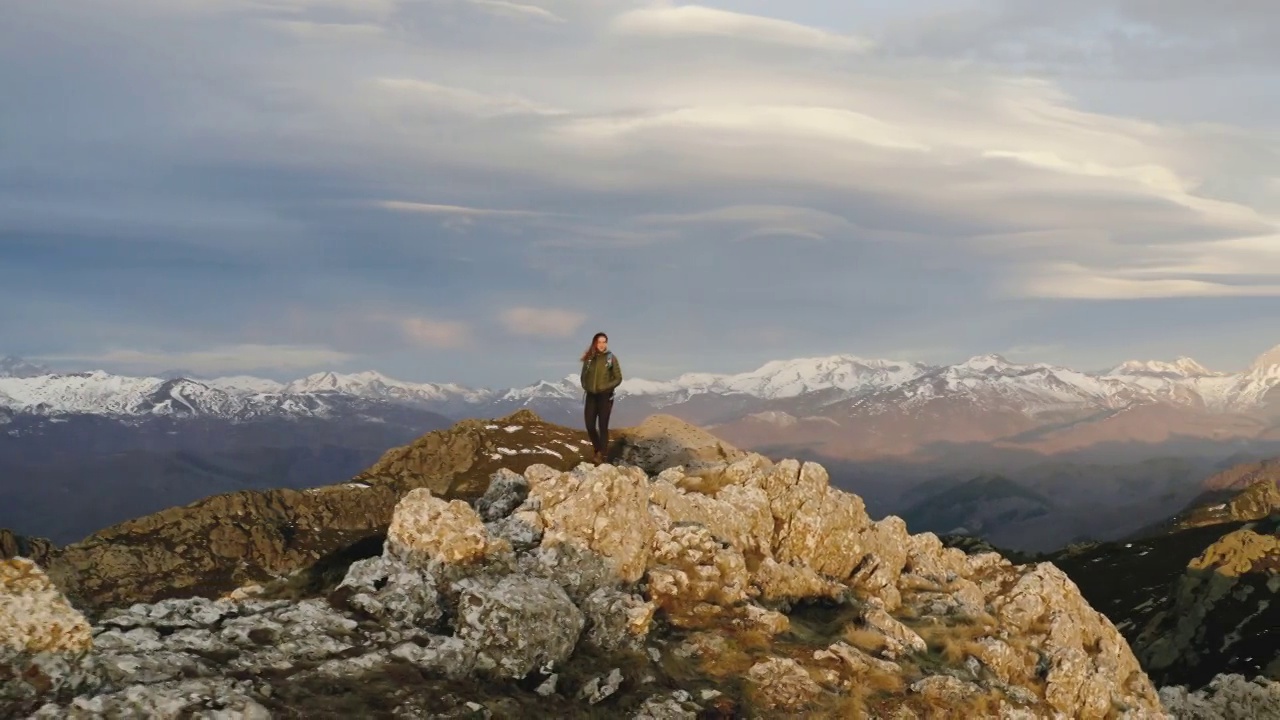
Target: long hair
{"points": [[591, 349]]}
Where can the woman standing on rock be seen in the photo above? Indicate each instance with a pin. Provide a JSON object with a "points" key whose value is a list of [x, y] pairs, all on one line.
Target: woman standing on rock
{"points": [[601, 375]]}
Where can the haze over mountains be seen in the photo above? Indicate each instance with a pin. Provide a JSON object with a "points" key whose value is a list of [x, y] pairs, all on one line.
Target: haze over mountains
{"points": [[85, 449]]}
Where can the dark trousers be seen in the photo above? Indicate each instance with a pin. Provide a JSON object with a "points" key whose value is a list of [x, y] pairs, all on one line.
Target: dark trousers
{"points": [[597, 409]]}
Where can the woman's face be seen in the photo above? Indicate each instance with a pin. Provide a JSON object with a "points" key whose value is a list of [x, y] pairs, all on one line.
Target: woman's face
{"points": [[602, 344]]}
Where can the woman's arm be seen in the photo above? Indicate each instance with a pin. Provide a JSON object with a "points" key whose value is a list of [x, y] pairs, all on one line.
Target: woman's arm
{"points": [[615, 374]]}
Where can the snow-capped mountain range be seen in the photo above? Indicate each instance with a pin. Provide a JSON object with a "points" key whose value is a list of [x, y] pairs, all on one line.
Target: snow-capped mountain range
{"points": [[871, 385]]}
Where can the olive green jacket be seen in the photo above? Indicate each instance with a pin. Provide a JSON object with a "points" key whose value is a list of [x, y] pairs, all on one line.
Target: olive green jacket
{"points": [[602, 373]]}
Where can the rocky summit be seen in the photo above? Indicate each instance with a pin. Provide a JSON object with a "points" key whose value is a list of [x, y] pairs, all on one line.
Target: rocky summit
{"points": [[688, 580]]}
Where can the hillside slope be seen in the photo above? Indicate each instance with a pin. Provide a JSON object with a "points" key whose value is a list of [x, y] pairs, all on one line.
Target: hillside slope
{"points": [[1195, 595]]}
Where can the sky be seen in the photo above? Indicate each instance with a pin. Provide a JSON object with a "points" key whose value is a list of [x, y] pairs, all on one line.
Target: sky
{"points": [[466, 190]]}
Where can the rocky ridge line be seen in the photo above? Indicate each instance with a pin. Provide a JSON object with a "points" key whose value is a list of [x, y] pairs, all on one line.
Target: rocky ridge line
{"points": [[650, 590]]}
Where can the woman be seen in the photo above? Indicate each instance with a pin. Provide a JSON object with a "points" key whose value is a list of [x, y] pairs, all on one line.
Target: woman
{"points": [[601, 375]]}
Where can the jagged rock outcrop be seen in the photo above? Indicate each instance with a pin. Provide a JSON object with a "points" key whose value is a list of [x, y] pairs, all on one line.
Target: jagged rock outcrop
{"points": [[1254, 502], [40, 634], [744, 588], [14, 545], [1242, 493], [1224, 613], [212, 546]]}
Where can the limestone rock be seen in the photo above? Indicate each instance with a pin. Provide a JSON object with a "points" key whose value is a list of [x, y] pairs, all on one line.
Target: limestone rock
{"points": [[778, 581], [885, 544], [507, 490], [448, 656], [814, 524], [425, 528], [580, 572], [518, 532], [199, 698], [948, 691], [42, 638], [783, 684], [1239, 552], [603, 509], [397, 595], [1090, 666], [517, 624], [663, 441], [737, 514], [694, 576], [663, 707], [601, 687], [34, 616], [901, 640], [616, 620], [857, 662]]}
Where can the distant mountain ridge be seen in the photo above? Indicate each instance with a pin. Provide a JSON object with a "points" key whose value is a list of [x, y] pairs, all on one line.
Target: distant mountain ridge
{"points": [[990, 380]]}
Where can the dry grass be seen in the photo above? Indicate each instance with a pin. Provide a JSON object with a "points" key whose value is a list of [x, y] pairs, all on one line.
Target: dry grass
{"points": [[853, 706], [868, 641], [954, 643], [752, 640], [987, 705], [877, 682], [733, 662]]}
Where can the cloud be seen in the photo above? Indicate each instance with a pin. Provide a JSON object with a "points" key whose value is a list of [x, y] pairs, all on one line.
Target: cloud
{"points": [[1134, 37], [435, 334], [522, 11], [1071, 281], [957, 182], [542, 322], [464, 101], [435, 209], [755, 221], [667, 21], [212, 361]]}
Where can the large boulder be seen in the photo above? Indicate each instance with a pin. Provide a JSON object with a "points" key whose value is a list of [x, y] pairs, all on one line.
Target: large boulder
{"points": [[41, 635], [665, 441]]}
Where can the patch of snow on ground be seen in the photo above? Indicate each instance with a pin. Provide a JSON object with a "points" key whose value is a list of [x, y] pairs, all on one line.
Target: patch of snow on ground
{"points": [[490, 427], [327, 488], [549, 451], [496, 456], [513, 428], [507, 451]]}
